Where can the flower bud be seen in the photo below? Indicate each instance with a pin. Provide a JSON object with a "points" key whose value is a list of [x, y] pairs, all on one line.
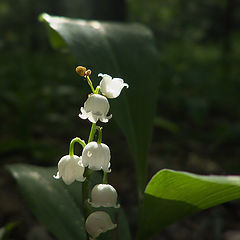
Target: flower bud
{"points": [[104, 195], [70, 168], [95, 108], [81, 71], [99, 222], [96, 156], [88, 72], [111, 87]]}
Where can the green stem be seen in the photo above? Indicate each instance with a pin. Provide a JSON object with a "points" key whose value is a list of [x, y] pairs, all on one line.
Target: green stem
{"points": [[71, 146], [87, 174], [97, 90], [90, 84], [92, 132], [99, 141], [105, 178]]}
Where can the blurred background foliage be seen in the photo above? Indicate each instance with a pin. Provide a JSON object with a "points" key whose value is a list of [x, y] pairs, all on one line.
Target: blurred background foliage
{"points": [[197, 127]]}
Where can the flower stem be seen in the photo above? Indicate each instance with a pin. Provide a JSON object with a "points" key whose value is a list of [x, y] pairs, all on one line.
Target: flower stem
{"points": [[90, 84], [87, 174], [105, 177], [71, 146], [97, 90], [99, 141], [92, 132]]}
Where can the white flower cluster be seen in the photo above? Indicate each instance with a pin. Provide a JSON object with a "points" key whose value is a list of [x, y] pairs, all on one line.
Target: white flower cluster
{"points": [[96, 107], [95, 155]]}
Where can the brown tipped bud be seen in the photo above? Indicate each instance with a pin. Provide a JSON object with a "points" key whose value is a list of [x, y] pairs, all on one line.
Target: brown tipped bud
{"points": [[81, 71], [88, 72]]}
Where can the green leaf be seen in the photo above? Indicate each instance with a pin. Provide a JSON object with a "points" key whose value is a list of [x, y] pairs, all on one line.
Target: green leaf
{"points": [[172, 195], [57, 205], [123, 50], [50, 201], [5, 231]]}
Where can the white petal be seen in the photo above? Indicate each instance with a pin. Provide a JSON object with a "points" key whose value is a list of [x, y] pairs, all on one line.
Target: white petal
{"points": [[96, 156], [98, 222], [111, 88], [70, 170], [105, 119], [57, 176], [104, 195], [84, 114], [93, 118], [68, 179], [96, 107]]}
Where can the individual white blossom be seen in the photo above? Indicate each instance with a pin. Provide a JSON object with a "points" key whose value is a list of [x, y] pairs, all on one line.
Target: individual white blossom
{"points": [[104, 195], [70, 168], [95, 108], [98, 222], [96, 156], [111, 87]]}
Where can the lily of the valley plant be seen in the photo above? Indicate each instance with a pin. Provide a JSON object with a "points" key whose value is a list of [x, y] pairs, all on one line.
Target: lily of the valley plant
{"points": [[95, 155]]}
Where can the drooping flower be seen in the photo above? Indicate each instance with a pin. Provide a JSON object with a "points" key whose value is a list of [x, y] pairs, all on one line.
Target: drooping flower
{"points": [[111, 87], [70, 168], [104, 195], [95, 108], [99, 222], [96, 156]]}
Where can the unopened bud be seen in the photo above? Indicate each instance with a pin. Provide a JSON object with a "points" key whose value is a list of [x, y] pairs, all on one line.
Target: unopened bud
{"points": [[88, 72], [81, 71]]}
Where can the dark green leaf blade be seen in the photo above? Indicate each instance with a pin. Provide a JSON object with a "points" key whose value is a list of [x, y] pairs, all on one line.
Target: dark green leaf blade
{"points": [[50, 201], [172, 195], [57, 205], [122, 50]]}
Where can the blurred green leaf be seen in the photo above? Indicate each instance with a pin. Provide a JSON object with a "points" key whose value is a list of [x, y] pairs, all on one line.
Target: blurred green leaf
{"points": [[57, 205], [6, 230], [172, 195], [122, 50], [50, 201], [55, 39], [166, 124]]}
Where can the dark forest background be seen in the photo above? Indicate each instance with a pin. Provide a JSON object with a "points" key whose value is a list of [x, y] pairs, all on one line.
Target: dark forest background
{"points": [[197, 127]]}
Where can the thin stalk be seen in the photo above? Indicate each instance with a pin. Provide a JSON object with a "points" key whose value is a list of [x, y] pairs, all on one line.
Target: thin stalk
{"points": [[105, 177], [99, 141], [92, 132], [71, 146], [86, 183], [90, 84]]}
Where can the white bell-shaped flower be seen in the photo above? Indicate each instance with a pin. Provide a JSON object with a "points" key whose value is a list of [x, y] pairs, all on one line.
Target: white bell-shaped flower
{"points": [[98, 222], [70, 168], [111, 87], [96, 156], [104, 195], [95, 108]]}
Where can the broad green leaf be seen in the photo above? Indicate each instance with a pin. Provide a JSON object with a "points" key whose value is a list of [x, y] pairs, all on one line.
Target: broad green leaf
{"points": [[172, 195], [50, 201], [123, 50], [57, 205]]}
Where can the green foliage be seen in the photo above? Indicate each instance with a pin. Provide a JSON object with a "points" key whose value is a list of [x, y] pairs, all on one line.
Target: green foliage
{"points": [[126, 51], [57, 205], [5, 231], [173, 195], [50, 201]]}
